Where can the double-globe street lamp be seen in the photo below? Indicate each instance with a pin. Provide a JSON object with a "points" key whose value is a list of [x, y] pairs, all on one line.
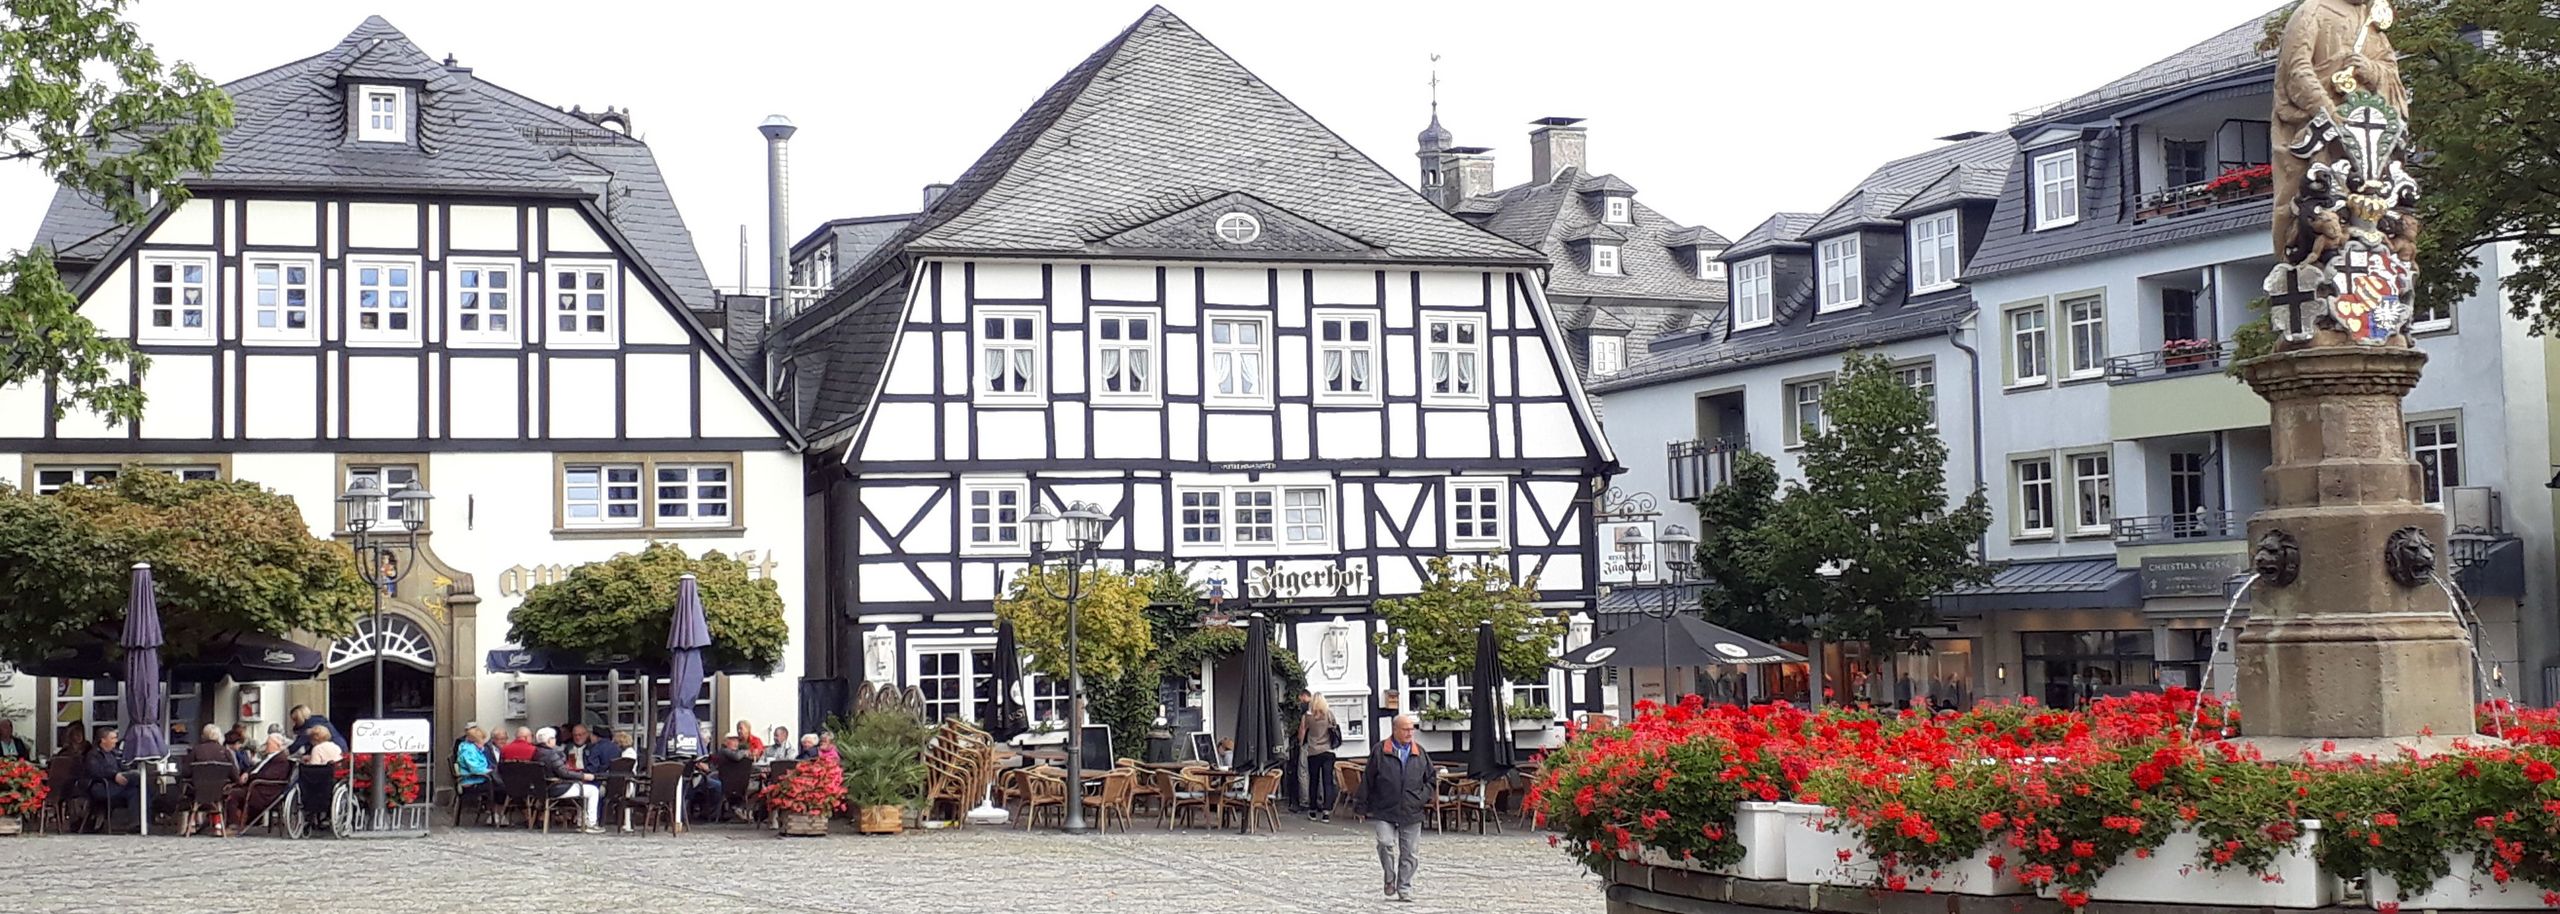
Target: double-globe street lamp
{"points": [[1084, 525], [1679, 555], [383, 565]]}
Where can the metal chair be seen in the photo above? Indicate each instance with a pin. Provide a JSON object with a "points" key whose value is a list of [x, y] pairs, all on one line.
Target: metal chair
{"points": [[208, 785], [666, 786], [66, 804]]}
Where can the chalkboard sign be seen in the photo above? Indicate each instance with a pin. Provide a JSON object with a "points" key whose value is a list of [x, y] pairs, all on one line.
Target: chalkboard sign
{"points": [[1204, 748], [1097, 748], [407, 736]]}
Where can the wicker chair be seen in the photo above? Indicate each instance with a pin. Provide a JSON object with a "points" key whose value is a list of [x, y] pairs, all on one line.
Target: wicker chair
{"points": [[1347, 777], [65, 804], [1259, 792], [1143, 787], [666, 783], [1188, 790], [1042, 788], [208, 784], [1118, 788]]}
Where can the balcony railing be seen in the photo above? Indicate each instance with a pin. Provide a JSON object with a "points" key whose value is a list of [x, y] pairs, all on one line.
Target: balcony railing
{"points": [[2125, 369], [2200, 524], [1703, 465], [2188, 199]]}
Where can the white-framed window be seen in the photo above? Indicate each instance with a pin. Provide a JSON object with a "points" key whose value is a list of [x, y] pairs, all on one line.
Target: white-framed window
{"points": [[1009, 354], [1239, 361], [2057, 188], [1476, 513], [1124, 356], [582, 305], [177, 298], [1934, 251], [1346, 356], [1046, 700], [87, 704], [1608, 353], [1842, 287], [1535, 693], [2093, 493], [1604, 259], [2034, 506], [382, 300], [2429, 313], [385, 118], [1305, 518], [1444, 692], [1202, 519], [51, 479], [993, 522], [2030, 346], [600, 494], [282, 292], [1752, 306], [1617, 210], [1708, 266], [2085, 321], [1239, 228], [390, 478], [482, 301], [1805, 417], [2437, 446], [1922, 379], [1256, 514], [951, 680], [693, 494], [1452, 358]]}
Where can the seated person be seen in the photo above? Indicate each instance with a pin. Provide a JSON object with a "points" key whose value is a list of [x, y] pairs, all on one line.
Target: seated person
{"points": [[600, 751], [109, 785], [567, 781], [522, 750], [808, 746], [319, 773], [471, 766], [706, 794], [262, 784], [209, 751], [781, 749]]}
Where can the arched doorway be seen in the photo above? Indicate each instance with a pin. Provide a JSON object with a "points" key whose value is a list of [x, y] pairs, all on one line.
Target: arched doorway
{"points": [[408, 670]]}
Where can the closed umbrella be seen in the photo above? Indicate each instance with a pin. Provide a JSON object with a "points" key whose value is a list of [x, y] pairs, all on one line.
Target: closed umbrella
{"points": [[1258, 713], [1011, 721], [687, 634], [147, 731], [1486, 755]]}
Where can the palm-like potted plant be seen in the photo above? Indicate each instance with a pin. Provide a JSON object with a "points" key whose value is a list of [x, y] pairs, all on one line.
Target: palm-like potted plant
{"points": [[884, 772]]}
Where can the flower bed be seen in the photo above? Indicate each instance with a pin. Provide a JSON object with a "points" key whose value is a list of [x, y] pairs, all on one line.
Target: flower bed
{"points": [[400, 774], [2112, 802]]}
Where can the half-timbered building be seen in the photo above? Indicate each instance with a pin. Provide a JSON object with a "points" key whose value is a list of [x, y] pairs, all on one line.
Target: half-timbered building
{"points": [[1170, 292], [402, 271]]}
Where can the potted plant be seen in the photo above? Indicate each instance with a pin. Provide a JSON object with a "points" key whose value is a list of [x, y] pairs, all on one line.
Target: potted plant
{"points": [[884, 772], [1525, 716], [1443, 718], [2240, 182], [22, 792], [400, 772], [2177, 353], [807, 797]]}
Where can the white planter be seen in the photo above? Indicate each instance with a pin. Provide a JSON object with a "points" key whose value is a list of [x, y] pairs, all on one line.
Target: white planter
{"points": [[1759, 828], [2173, 874], [1443, 726], [2463, 889], [1816, 856]]}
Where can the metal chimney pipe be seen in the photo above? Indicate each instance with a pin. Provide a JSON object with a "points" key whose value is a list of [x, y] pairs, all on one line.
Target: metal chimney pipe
{"points": [[777, 132]]}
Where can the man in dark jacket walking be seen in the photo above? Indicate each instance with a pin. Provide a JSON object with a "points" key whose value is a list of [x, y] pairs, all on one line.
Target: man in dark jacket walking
{"points": [[1397, 790]]}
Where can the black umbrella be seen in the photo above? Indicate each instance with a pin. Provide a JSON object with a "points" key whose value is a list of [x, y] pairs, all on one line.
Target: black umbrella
{"points": [[248, 657], [1680, 641], [147, 735], [1010, 720], [1258, 739], [1487, 756], [81, 660]]}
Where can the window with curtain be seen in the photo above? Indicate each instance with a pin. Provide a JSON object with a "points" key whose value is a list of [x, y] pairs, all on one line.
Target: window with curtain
{"points": [[1346, 356], [1009, 354], [1239, 354], [1124, 356], [1452, 355]]}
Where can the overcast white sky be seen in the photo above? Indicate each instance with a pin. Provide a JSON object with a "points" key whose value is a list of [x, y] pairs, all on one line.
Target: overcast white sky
{"points": [[1718, 111]]}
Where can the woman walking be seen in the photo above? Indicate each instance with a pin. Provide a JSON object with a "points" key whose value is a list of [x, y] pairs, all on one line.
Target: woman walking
{"points": [[1318, 735]]}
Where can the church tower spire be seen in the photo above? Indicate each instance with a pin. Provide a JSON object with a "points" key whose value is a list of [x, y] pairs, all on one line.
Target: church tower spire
{"points": [[1433, 141]]}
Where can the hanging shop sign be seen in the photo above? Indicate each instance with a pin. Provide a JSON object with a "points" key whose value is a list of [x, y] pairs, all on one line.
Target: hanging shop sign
{"points": [[2189, 575], [1273, 583]]}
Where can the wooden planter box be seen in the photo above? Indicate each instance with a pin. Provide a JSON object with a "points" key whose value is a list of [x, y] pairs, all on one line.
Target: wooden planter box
{"points": [[881, 820], [2463, 889], [804, 824], [2187, 358]]}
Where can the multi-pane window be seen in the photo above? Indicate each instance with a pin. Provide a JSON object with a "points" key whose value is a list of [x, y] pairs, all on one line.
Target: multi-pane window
{"points": [[1255, 517], [2093, 493], [2184, 162], [1239, 356], [384, 300], [51, 479], [1618, 210], [1047, 700], [1303, 517], [1804, 411], [390, 479], [1608, 354], [1009, 354], [1922, 379], [1534, 693], [581, 303], [693, 494], [1751, 301], [2188, 505], [2035, 506], [2030, 348], [1203, 517], [2437, 446], [383, 121], [1452, 356], [943, 679], [87, 704], [280, 298], [1604, 259], [177, 297], [1124, 356], [1475, 512], [484, 299], [1934, 251], [1346, 356], [995, 512], [600, 494], [2057, 189], [1841, 285], [2086, 322]]}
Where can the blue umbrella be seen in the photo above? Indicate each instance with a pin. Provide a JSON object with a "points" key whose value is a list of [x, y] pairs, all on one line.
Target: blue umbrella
{"points": [[687, 634], [145, 729]]}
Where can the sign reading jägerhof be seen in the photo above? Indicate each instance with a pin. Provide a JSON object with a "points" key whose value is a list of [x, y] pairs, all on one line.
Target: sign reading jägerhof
{"points": [[1274, 583]]}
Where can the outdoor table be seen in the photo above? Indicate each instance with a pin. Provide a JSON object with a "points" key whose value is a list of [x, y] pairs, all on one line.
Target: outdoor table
{"points": [[1219, 778]]}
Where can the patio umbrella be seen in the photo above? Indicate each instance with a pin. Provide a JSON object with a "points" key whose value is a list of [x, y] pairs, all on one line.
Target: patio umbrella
{"points": [[1257, 711], [248, 657], [1486, 755], [1680, 641], [146, 732], [687, 634], [1010, 720]]}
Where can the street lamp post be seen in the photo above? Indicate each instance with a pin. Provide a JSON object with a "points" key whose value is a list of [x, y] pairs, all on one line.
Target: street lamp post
{"points": [[1085, 525], [1679, 554], [382, 568]]}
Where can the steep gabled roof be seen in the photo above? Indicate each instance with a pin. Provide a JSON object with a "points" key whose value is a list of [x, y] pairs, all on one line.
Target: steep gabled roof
{"points": [[1891, 188], [2230, 52], [1780, 230]]}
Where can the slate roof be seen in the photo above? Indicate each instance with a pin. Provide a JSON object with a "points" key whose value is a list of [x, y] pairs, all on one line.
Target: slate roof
{"points": [[471, 137], [2057, 584], [1782, 230], [1952, 173], [2229, 52], [1154, 124]]}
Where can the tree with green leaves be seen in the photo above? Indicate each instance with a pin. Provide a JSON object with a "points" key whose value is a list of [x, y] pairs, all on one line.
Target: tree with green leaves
{"points": [[225, 557], [1436, 628], [1756, 577], [1111, 621], [623, 605], [83, 98]]}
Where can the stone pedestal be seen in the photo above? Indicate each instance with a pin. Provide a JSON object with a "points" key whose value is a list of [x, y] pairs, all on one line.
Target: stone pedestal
{"points": [[2355, 646]]}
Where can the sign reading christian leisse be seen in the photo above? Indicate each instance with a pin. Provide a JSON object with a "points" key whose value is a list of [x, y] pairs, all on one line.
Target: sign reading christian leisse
{"points": [[2189, 575], [1272, 583]]}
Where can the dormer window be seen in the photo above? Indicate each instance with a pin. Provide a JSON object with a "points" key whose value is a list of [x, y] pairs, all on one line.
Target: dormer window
{"points": [[1608, 354], [382, 115], [1604, 259], [2057, 189], [1617, 211], [1842, 286], [1751, 299], [1708, 266]]}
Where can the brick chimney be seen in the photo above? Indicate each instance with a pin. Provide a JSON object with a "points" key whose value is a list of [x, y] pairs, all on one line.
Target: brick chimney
{"points": [[1465, 171], [1556, 145]]}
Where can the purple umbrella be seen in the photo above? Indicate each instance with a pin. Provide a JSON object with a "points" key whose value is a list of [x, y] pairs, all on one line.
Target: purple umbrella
{"points": [[687, 634], [144, 730]]}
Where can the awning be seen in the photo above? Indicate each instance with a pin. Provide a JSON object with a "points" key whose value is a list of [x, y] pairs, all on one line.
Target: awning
{"points": [[241, 656], [1679, 641], [2094, 583]]}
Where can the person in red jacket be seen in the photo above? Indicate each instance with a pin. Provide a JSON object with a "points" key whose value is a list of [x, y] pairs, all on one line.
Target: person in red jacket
{"points": [[521, 750]]}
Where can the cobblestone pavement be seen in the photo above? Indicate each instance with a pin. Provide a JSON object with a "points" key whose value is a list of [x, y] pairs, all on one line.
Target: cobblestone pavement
{"points": [[1307, 868]]}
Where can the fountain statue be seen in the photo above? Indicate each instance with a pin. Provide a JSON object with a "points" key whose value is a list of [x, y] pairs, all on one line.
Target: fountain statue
{"points": [[2353, 636]]}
